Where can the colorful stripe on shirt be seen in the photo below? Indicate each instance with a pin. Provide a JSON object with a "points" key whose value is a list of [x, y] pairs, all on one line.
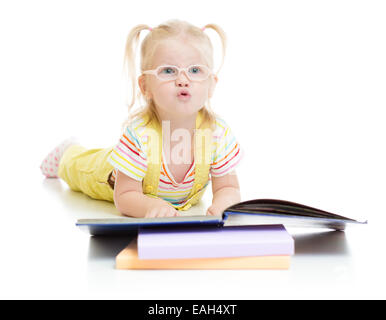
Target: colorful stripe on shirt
{"points": [[129, 157]]}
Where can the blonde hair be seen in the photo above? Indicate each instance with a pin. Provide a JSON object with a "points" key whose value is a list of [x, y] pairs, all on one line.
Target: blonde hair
{"points": [[169, 29]]}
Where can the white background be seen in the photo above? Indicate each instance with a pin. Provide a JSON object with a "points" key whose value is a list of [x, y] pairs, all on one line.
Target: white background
{"points": [[303, 88]]}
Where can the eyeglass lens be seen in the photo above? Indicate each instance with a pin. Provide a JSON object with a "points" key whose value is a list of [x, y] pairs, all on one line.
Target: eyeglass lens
{"points": [[194, 72]]}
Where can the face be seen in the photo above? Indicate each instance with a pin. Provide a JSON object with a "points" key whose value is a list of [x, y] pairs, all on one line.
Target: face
{"points": [[166, 94]]}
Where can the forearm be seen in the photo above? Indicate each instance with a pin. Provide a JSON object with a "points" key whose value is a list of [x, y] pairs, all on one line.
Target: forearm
{"points": [[135, 204]]}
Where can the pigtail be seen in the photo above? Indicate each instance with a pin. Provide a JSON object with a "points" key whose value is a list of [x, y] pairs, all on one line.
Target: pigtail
{"points": [[209, 115], [223, 38], [129, 58]]}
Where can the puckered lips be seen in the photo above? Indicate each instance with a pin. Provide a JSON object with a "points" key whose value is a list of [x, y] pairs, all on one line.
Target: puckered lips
{"points": [[183, 95]]}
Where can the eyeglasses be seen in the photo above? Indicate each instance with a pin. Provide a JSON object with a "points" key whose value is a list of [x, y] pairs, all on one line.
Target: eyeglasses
{"points": [[167, 73]]}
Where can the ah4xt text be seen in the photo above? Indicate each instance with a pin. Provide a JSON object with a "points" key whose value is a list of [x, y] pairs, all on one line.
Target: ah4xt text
{"points": [[214, 309]]}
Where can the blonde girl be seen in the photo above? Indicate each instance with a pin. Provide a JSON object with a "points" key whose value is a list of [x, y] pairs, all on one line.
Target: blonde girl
{"points": [[174, 144]]}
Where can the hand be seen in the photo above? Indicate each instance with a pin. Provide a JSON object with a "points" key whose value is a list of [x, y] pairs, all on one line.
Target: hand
{"points": [[214, 210], [161, 210]]}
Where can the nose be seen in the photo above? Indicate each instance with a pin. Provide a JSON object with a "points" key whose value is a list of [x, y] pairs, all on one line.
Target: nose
{"points": [[182, 80]]}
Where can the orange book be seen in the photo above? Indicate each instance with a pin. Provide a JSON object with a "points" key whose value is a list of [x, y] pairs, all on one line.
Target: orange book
{"points": [[128, 259]]}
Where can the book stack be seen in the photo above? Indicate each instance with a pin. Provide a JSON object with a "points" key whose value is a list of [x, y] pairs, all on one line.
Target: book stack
{"points": [[210, 247]]}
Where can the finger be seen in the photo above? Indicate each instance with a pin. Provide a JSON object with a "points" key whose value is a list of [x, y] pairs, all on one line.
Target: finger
{"points": [[152, 213], [212, 212], [172, 212], [159, 214], [162, 212]]}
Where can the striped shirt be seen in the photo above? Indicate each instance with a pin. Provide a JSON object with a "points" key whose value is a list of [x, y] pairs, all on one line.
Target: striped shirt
{"points": [[129, 157]]}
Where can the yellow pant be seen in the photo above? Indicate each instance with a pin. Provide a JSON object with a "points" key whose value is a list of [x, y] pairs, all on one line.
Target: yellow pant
{"points": [[87, 171]]}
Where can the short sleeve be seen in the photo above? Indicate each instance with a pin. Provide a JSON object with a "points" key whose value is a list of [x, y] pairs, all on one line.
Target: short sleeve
{"points": [[227, 152], [128, 155]]}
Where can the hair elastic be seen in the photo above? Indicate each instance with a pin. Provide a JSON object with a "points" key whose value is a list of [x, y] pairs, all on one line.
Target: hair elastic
{"points": [[151, 29]]}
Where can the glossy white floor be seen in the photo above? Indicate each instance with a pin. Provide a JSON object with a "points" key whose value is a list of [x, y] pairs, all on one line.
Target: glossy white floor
{"points": [[304, 98]]}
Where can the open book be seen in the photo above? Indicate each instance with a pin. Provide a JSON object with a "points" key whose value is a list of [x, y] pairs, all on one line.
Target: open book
{"points": [[252, 212]]}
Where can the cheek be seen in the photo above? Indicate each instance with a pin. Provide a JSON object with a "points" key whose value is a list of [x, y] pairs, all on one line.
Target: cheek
{"points": [[202, 93], [162, 93]]}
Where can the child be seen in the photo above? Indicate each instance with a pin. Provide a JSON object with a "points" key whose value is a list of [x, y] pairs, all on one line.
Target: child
{"points": [[151, 172]]}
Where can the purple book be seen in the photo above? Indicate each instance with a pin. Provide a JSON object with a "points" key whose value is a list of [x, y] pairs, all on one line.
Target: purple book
{"points": [[214, 242]]}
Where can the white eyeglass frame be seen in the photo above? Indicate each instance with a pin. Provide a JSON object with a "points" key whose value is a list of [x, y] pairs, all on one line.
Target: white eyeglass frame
{"points": [[155, 72]]}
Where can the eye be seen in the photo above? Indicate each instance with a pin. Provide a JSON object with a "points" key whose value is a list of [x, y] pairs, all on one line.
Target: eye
{"points": [[195, 69], [168, 70]]}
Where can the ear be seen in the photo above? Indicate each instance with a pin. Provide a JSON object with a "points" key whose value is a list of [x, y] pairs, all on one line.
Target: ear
{"points": [[143, 87], [213, 83]]}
